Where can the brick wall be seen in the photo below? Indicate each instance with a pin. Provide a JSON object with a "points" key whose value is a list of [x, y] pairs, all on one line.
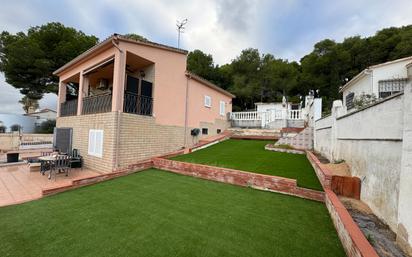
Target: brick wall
{"points": [[81, 125], [236, 177], [352, 238], [213, 127], [9, 141], [323, 174], [141, 138]]}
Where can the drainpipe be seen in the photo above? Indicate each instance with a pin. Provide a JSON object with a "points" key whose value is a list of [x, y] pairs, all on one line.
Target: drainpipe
{"points": [[186, 109], [116, 143]]}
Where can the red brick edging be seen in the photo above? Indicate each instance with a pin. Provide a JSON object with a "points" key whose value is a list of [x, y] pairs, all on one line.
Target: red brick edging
{"points": [[352, 238], [324, 175], [237, 177], [99, 178], [252, 137]]}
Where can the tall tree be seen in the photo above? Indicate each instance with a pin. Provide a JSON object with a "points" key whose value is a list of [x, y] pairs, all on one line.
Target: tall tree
{"points": [[29, 59], [136, 37], [29, 104], [201, 64]]}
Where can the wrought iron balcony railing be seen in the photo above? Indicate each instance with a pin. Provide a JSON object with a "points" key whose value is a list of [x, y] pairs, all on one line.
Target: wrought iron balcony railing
{"points": [[97, 104], [138, 104], [68, 108]]}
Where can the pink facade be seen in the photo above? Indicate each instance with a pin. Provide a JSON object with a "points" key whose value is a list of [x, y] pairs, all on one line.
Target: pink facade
{"points": [[198, 112], [173, 91], [125, 101]]}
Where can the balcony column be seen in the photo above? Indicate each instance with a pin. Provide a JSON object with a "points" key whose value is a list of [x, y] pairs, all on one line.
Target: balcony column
{"points": [[80, 94], [119, 74], [61, 96]]}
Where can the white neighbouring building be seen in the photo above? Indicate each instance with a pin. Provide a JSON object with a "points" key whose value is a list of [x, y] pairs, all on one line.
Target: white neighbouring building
{"points": [[381, 80], [376, 142], [42, 115], [279, 115], [27, 122]]}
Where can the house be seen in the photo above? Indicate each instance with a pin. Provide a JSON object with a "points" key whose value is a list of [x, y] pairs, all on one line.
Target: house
{"points": [[278, 115], [376, 142], [381, 80], [42, 115], [123, 101]]}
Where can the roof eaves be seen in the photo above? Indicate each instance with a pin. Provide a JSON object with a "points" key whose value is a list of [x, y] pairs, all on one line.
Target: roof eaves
{"points": [[117, 37], [391, 62], [354, 79], [153, 44], [83, 55]]}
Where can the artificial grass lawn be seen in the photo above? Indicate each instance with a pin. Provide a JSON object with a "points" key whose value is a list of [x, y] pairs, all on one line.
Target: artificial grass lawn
{"points": [[156, 213], [250, 155]]}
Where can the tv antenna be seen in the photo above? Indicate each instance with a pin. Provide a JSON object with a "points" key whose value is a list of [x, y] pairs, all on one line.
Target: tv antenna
{"points": [[180, 29]]}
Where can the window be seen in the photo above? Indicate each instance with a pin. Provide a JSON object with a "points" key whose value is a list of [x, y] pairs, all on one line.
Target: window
{"points": [[391, 86], [96, 142], [205, 131], [222, 108], [218, 131], [208, 101], [349, 100]]}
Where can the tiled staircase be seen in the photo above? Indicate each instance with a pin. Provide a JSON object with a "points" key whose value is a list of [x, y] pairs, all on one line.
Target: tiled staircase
{"points": [[302, 140]]}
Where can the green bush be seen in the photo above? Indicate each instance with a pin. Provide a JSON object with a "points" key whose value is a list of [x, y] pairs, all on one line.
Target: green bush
{"points": [[46, 127]]}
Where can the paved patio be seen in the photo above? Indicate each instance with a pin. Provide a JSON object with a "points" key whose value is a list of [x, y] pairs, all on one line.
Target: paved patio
{"points": [[18, 184]]}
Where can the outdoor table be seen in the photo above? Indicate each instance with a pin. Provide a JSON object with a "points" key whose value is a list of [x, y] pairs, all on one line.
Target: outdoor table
{"points": [[49, 159]]}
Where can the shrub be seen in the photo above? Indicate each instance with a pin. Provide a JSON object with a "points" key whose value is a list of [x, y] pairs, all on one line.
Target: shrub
{"points": [[364, 100], [15, 127], [46, 127]]}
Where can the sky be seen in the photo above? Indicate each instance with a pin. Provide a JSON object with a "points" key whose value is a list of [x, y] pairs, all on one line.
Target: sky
{"points": [[287, 29]]}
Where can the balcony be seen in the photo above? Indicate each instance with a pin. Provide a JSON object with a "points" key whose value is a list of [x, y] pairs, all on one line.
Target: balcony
{"points": [[97, 104], [137, 104], [68, 108]]}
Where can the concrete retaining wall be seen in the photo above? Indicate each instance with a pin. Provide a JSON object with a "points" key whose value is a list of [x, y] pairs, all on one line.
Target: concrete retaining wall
{"points": [[376, 142], [352, 238]]}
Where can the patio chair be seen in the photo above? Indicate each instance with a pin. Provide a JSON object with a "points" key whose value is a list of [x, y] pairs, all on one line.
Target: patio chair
{"points": [[44, 166], [76, 161], [61, 164]]}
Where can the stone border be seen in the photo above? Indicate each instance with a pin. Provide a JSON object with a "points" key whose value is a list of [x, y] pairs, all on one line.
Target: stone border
{"points": [[240, 178], [353, 241], [271, 147]]}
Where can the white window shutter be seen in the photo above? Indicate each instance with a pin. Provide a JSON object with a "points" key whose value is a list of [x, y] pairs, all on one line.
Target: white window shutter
{"points": [[95, 142], [222, 108], [99, 143], [91, 141], [208, 101]]}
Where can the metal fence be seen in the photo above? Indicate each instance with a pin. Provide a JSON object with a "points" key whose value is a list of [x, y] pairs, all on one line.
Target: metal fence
{"points": [[97, 104], [68, 108], [138, 104]]}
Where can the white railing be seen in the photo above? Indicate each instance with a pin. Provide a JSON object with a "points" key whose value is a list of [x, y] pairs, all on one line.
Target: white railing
{"points": [[295, 114], [261, 119], [246, 116]]}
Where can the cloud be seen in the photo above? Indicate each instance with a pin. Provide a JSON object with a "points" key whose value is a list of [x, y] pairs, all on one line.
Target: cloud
{"points": [[10, 96], [286, 28], [235, 15]]}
